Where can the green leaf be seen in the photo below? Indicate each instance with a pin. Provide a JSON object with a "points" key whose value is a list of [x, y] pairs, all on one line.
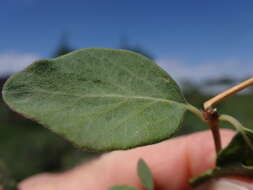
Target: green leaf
{"points": [[234, 160], [6, 180], [100, 99], [145, 175], [122, 187], [233, 170], [238, 151]]}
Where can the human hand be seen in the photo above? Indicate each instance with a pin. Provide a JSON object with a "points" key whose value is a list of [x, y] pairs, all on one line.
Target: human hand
{"points": [[172, 163]]}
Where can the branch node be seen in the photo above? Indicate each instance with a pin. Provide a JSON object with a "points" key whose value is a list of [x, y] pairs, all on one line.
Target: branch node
{"points": [[211, 117]]}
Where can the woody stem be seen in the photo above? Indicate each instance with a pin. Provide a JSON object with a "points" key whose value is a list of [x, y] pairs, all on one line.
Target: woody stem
{"points": [[212, 119]]}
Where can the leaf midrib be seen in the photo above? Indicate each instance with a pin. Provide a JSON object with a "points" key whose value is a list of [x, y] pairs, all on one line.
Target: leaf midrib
{"points": [[108, 96]]}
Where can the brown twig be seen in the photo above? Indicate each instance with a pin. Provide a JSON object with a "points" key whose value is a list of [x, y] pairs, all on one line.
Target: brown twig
{"points": [[212, 118], [208, 104]]}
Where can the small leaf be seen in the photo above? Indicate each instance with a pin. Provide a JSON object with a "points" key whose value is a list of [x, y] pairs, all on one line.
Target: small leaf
{"points": [[238, 151], [145, 175], [233, 170], [122, 187], [234, 160], [100, 99]]}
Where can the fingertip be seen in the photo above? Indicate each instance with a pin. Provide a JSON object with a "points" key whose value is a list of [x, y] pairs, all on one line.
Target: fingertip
{"points": [[200, 150], [172, 162], [39, 182]]}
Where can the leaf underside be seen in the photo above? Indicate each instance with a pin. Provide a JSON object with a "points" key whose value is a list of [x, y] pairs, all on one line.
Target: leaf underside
{"points": [[100, 99]]}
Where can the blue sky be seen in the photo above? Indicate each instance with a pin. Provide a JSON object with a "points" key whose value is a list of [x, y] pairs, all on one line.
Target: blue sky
{"points": [[181, 34]]}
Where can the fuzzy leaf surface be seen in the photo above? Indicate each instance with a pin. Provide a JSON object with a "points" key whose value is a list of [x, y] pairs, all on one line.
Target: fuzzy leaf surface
{"points": [[145, 175], [100, 99]]}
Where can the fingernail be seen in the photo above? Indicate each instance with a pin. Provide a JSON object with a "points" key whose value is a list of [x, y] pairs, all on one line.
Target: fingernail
{"points": [[227, 184]]}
